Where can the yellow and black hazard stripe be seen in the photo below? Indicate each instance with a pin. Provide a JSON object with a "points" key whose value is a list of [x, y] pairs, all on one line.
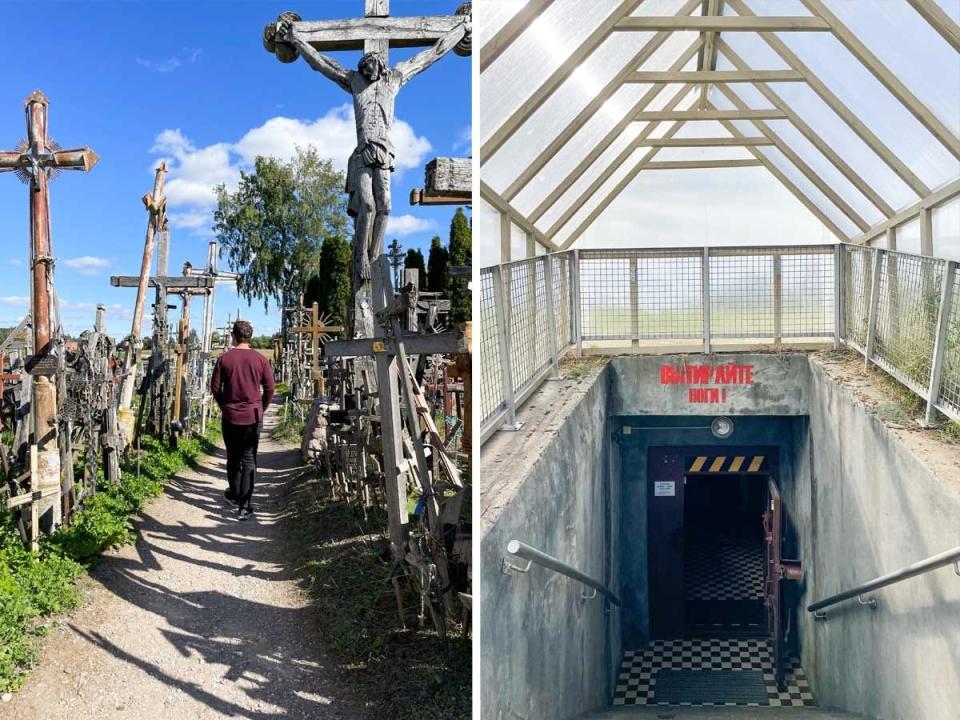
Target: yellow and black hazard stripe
{"points": [[727, 464]]}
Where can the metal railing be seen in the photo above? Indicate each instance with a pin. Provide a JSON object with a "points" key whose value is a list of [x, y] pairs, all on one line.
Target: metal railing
{"points": [[532, 555], [901, 311], [950, 557]]}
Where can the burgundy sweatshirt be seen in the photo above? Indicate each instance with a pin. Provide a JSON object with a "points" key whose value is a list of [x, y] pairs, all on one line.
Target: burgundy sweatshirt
{"points": [[242, 384]]}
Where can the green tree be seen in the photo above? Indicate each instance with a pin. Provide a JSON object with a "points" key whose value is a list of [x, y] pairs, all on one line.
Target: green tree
{"points": [[330, 287], [461, 248], [273, 227], [437, 262], [414, 261]]}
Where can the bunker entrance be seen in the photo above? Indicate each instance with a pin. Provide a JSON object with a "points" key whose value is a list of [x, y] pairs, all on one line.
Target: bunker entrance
{"points": [[723, 554]]}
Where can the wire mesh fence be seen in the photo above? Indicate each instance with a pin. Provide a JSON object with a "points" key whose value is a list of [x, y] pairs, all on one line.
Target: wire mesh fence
{"points": [[901, 311]]}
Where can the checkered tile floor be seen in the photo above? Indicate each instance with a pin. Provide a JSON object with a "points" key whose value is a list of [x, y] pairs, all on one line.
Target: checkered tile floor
{"points": [[638, 672], [723, 569]]}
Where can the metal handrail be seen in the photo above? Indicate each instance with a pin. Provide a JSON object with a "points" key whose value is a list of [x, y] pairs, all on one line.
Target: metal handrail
{"points": [[950, 557], [532, 555]]}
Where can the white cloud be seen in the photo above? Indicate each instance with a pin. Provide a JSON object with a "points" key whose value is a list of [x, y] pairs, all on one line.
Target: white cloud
{"points": [[189, 55], [402, 225], [194, 172], [15, 301], [88, 264], [464, 141], [16, 262]]}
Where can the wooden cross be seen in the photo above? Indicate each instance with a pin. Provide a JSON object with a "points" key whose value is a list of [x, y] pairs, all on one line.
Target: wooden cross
{"points": [[36, 162], [376, 31], [319, 331]]}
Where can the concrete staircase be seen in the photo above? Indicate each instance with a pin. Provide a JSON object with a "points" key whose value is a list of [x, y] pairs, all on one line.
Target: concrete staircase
{"points": [[669, 712]]}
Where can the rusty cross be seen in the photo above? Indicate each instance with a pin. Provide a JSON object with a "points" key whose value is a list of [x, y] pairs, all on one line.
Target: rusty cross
{"points": [[35, 162], [319, 331]]}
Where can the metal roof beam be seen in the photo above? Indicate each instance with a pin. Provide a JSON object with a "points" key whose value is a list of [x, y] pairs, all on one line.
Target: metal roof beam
{"points": [[511, 30], [714, 76], [728, 23], [856, 124], [813, 137], [706, 142], [694, 115], [598, 182], [939, 20], [556, 79], [890, 81], [505, 208], [584, 116], [938, 197]]}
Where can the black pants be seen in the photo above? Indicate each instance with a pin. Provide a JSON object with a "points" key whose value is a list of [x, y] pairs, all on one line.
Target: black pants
{"points": [[241, 442]]}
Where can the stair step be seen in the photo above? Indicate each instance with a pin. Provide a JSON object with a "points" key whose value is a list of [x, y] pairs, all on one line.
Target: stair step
{"points": [[717, 713]]}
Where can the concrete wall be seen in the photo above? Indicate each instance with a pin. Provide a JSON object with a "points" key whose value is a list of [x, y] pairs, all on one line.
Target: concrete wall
{"points": [[868, 506], [779, 385], [549, 654]]}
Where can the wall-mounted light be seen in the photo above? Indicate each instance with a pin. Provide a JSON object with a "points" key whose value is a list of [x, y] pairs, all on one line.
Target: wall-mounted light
{"points": [[721, 427]]}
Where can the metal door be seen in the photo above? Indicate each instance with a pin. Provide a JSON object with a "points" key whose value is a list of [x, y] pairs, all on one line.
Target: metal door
{"points": [[665, 552], [773, 533]]}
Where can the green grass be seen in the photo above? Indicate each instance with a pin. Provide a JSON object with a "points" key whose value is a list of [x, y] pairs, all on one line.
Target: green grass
{"points": [[35, 586], [346, 568]]}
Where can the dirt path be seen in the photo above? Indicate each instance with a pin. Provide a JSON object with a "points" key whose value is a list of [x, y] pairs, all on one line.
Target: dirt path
{"points": [[201, 619]]}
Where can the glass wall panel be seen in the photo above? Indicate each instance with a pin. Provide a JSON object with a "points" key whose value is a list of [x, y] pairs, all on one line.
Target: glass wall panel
{"points": [[518, 243], [946, 230], [908, 236], [486, 229]]}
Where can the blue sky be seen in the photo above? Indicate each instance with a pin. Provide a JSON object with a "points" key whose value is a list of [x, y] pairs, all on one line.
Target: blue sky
{"points": [[191, 83]]}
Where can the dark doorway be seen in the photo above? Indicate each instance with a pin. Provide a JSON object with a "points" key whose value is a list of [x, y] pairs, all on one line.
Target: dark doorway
{"points": [[723, 554]]}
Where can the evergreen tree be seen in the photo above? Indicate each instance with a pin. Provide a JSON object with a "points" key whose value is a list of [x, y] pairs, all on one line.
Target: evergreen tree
{"points": [[461, 248], [330, 287], [414, 261], [437, 261]]}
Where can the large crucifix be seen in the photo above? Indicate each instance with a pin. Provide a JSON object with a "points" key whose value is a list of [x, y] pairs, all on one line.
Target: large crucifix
{"points": [[374, 86], [36, 161]]}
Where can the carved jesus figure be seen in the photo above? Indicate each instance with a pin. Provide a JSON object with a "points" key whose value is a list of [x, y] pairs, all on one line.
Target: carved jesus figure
{"points": [[374, 87]]}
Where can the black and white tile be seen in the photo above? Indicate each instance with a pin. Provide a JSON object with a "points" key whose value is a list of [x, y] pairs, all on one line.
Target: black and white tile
{"points": [[723, 569], [636, 684]]}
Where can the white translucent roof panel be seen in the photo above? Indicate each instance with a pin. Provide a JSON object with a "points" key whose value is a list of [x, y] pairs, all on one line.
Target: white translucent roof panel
{"points": [[578, 92], [601, 167], [811, 191], [918, 48], [775, 7], [839, 70], [488, 23], [785, 130], [486, 229], [838, 135], [946, 229], [754, 51], [532, 57]]}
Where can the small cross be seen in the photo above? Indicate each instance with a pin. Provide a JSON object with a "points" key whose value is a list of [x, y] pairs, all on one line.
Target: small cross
{"points": [[319, 331]]}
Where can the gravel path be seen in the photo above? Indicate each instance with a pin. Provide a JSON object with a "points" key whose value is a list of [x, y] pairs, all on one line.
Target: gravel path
{"points": [[201, 619]]}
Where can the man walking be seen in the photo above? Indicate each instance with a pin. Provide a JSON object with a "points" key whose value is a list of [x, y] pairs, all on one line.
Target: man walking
{"points": [[242, 384]]}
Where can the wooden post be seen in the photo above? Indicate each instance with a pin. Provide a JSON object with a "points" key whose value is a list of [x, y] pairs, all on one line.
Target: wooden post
{"points": [[155, 205]]}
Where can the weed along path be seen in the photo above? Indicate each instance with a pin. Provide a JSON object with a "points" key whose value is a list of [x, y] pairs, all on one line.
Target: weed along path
{"points": [[201, 618]]}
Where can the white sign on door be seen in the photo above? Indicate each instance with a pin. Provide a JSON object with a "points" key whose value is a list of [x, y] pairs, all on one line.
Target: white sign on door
{"points": [[666, 488]]}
